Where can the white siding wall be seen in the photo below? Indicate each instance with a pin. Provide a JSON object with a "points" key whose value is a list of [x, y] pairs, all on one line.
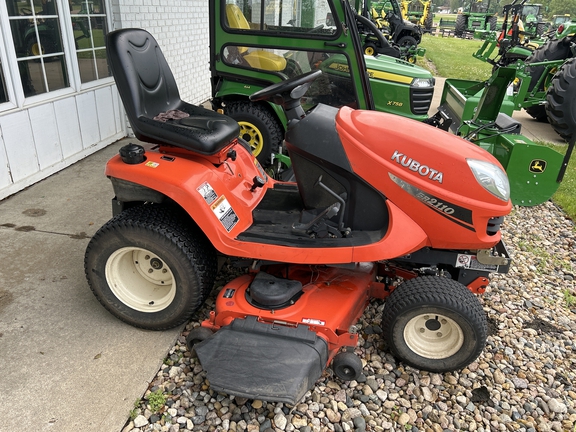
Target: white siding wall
{"points": [[181, 28], [38, 141]]}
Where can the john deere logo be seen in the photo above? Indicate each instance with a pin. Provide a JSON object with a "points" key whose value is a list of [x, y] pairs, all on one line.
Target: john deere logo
{"points": [[538, 166]]}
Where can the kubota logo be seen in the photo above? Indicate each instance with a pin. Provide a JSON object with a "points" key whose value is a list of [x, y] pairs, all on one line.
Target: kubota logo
{"points": [[414, 165]]}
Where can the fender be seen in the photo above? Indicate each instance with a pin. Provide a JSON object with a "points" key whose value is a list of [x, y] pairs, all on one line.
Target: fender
{"points": [[204, 189], [235, 90]]}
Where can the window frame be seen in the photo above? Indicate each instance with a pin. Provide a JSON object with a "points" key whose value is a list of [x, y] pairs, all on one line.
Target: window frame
{"points": [[14, 87]]}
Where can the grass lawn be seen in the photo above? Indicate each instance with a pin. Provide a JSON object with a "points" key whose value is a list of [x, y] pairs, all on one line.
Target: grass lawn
{"points": [[451, 57]]}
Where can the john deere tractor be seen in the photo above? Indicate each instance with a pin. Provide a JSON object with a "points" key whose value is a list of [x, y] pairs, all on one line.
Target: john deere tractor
{"points": [[476, 19], [253, 46]]}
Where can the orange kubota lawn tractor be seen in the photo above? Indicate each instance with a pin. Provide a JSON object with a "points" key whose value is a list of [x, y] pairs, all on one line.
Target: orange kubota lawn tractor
{"points": [[381, 207]]}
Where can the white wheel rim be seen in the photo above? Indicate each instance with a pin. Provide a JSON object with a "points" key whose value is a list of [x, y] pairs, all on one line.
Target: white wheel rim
{"points": [[140, 279], [433, 336]]}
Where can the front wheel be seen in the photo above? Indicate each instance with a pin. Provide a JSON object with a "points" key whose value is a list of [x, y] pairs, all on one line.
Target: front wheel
{"points": [[259, 127], [434, 324], [149, 268]]}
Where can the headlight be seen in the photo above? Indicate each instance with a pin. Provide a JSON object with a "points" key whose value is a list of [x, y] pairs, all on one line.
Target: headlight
{"points": [[422, 82], [491, 178]]}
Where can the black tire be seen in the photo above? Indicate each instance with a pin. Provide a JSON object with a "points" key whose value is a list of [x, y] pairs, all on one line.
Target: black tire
{"points": [[554, 49], [434, 324], [540, 29], [407, 41], [429, 21], [141, 250], [369, 49], [347, 366], [461, 25], [492, 23], [196, 336], [259, 127], [46, 46], [560, 100]]}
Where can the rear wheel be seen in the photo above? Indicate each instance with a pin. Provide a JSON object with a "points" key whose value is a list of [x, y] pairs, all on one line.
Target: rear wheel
{"points": [[560, 97], [434, 324], [149, 268], [259, 127], [461, 25], [552, 50]]}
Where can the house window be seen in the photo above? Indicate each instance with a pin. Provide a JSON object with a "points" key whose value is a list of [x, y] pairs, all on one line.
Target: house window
{"points": [[3, 91], [57, 43], [37, 36], [90, 27]]}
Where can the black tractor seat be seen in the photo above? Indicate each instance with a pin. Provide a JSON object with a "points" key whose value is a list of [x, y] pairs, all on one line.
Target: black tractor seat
{"points": [[152, 101]]}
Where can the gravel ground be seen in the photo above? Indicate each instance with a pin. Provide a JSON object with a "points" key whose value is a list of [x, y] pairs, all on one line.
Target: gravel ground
{"points": [[523, 381]]}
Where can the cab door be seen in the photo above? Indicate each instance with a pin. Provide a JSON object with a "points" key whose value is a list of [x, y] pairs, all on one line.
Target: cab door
{"points": [[256, 43]]}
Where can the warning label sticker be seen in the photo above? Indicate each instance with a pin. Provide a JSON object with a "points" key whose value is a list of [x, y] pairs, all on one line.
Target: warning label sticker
{"points": [[225, 213], [471, 262], [313, 321], [207, 192]]}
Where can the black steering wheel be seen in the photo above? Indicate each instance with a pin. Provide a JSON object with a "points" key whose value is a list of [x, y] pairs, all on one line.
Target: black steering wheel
{"points": [[287, 93]]}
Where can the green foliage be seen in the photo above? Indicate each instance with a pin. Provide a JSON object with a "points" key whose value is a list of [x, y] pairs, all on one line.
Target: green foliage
{"points": [[156, 400], [134, 412], [569, 298]]}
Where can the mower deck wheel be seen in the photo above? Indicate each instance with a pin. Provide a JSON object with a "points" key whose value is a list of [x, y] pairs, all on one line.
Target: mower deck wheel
{"points": [[347, 366], [196, 336], [435, 324], [149, 268]]}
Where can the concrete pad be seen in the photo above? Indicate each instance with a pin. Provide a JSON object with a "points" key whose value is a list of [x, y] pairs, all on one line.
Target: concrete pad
{"points": [[67, 364], [532, 129]]}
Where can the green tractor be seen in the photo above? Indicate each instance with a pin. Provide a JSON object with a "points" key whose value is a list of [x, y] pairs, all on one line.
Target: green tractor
{"points": [[477, 20], [540, 64], [481, 112], [557, 20], [531, 16], [254, 45]]}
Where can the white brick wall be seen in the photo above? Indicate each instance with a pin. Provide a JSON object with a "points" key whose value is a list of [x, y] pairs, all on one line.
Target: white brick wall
{"points": [[181, 29]]}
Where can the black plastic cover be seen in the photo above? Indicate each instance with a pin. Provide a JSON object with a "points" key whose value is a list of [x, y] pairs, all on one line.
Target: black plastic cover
{"points": [[268, 290], [263, 361]]}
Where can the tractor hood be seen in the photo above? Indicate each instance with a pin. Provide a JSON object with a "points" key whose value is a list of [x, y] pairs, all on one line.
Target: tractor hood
{"points": [[393, 69], [384, 68]]}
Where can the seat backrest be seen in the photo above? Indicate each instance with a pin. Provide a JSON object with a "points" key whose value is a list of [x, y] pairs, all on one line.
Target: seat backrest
{"points": [[152, 101], [143, 77], [236, 18]]}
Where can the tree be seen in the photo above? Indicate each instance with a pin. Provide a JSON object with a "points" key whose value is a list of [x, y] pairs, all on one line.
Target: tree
{"points": [[560, 7]]}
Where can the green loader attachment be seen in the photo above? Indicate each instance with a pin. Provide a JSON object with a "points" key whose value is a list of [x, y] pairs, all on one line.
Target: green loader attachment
{"points": [[481, 113]]}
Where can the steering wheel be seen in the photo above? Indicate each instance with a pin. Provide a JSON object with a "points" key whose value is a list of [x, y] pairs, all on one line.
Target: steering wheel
{"points": [[373, 29], [287, 93]]}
